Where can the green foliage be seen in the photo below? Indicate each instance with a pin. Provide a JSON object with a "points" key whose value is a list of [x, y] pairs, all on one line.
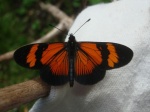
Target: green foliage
{"points": [[21, 22], [98, 1]]}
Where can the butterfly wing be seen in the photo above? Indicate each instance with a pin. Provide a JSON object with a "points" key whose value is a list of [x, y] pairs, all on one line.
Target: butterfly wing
{"points": [[51, 59], [114, 55], [94, 58]]}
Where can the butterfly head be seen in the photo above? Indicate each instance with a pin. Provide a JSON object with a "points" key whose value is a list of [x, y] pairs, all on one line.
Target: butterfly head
{"points": [[72, 38]]}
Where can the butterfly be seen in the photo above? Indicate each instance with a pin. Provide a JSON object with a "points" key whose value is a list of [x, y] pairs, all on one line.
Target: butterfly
{"points": [[62, 62]]}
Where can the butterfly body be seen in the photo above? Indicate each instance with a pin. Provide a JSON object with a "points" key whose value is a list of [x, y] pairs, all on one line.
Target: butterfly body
{"points": [[85, 62], [71, 50]]}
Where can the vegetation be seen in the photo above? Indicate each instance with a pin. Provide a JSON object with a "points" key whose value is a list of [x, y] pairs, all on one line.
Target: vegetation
{"points": [[23, 21]]}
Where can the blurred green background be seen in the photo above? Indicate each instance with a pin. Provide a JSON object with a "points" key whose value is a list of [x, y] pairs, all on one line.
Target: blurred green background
{"points": [[23, 21]]}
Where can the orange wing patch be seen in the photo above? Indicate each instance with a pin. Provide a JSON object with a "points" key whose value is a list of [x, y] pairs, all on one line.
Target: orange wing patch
{"points": [[56, 58], [50, 52], [112, 57], [87, 58], [31, 57], [60, 64]]}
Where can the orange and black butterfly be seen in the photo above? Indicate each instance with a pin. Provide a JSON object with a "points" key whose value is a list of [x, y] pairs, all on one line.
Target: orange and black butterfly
{"points": [[85, 62]]}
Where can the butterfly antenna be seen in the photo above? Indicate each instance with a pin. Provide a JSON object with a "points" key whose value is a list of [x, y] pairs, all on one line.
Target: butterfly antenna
{"points": [[82, 25], [58, 29]]}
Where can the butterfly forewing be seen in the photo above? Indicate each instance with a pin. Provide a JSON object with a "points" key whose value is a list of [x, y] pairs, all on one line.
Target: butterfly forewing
{"points": [[29, 56], [114, 55]]}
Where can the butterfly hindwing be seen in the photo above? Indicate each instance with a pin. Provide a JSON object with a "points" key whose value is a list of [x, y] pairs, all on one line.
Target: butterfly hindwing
{"points": [[87, 61], [94, 58], [56, 73]]}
